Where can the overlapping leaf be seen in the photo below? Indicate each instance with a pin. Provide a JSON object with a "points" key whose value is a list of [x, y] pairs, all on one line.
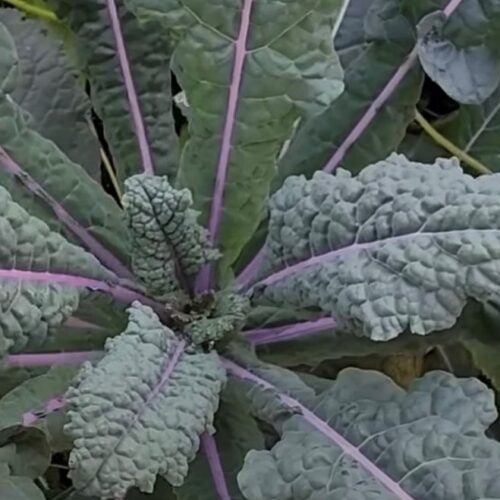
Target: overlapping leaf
{"points": [[140, 411], [42, 179], [47, 88], [373, 41], [369, 439], [32, 308], [468, 74], [403, 247], [249, 70], [236, 433], [146, 54]]}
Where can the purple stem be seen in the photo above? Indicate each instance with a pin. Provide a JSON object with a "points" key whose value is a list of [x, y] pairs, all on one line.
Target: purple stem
{"points": [[51, 359], [203, 280], [140, 131], [52, 405], [170, 364], [380, 100], [249, 273], [104, 255], [288, 332], [209, 447], [357, 247], [322, 427], [118, 291]]}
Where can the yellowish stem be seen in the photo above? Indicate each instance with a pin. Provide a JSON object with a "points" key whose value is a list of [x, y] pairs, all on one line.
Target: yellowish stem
{"points": [[442, 141], [111, 173], [107, 165], [34, 10]]}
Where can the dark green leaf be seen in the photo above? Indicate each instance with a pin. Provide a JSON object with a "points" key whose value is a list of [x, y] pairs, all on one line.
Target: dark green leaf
{"points": [[468, 74], [48, 90], [33, 394], [370, 58], [285, 69], [19, 488], [147, 53], [236, 434], [26, 451]]}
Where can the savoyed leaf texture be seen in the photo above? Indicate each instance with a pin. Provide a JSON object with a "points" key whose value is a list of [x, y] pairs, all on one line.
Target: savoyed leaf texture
{"points": [[366, 438], [468, 74], [47, 88], [249, 70], [46, 182], [168, 245], [139, 411], [227, 318], [401, 247], [32, 310], [128, 68]]}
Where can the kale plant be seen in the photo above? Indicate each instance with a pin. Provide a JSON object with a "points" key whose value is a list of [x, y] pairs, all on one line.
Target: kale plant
{"points": [[212, 212]]}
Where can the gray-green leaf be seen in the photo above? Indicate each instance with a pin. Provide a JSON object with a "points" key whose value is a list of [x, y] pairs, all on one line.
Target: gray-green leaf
{"points": [[139, 411], [428, 444], [401, 247]]}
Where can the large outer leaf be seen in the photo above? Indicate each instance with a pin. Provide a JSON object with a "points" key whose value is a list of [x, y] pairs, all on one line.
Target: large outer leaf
{"points": [[369, 439], [41, 178], [32, 310], [168, 245], [249, 70], [32, 395], [236, 433], [136, 112], [402, 247], [373, 41], [140, 411], [48, 90]]}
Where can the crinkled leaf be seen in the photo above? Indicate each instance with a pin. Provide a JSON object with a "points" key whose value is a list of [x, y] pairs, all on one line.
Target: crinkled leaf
{"points": [[146, 53], [401, 247], [25, 451], [140, 411], [468, 74], [42, 179], [19, 488], [47, 89], [236, 433], [428, 443], [242, 113], [227, 318], [168, 245], [32, 310]]}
